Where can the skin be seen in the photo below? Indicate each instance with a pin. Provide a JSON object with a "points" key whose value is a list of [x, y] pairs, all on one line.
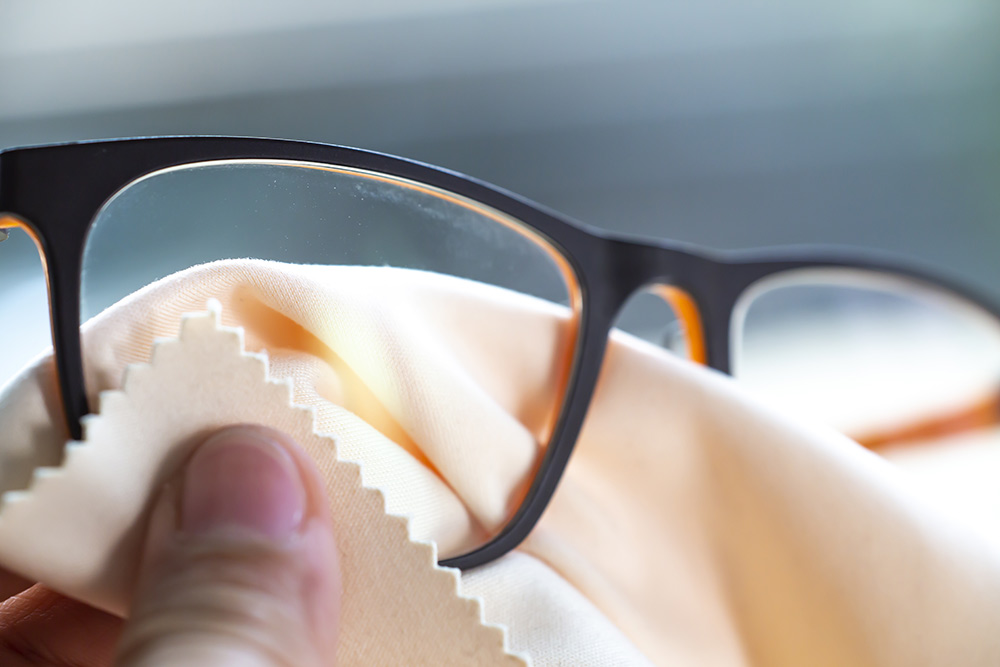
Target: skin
{"points": [[248, 582]]}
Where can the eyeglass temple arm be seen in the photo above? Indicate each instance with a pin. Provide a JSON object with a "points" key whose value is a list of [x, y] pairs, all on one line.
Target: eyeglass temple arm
{"points": [[980, 414]]}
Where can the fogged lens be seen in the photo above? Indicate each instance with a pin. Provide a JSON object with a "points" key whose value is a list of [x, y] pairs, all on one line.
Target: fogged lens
{"points": [[886, 360], [24, 304], [450, 333]]}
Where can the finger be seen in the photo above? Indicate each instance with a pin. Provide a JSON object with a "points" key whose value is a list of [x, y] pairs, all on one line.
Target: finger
{"points": [[42, 627], [240, 564]]}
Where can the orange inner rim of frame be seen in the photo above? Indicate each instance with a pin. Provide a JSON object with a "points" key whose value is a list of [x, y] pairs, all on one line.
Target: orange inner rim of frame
{"points": [[685, 308]]}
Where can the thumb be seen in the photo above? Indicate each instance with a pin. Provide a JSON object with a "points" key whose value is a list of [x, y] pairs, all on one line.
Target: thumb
{"points": [[240, 565]]}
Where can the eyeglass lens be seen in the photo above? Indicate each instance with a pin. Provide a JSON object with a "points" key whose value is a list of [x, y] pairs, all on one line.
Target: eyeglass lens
{"points": [[416, 295], [886, 360]]}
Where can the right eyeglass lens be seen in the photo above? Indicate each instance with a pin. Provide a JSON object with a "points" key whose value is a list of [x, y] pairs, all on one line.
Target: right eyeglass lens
{"points": [[438, 331], [887, 360]]}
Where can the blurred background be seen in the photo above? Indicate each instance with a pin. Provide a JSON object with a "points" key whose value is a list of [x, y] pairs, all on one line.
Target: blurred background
{"points": [[731, 124]]}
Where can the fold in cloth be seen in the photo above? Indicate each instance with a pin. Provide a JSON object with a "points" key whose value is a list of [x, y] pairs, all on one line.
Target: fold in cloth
{"points": [[693, 525]]}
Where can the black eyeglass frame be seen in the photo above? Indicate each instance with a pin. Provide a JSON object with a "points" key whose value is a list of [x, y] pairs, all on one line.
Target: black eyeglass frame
{"points": [[56, 192]]}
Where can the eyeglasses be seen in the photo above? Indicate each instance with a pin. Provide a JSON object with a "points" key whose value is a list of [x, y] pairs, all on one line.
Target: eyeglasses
{"points": [[882, 349]]}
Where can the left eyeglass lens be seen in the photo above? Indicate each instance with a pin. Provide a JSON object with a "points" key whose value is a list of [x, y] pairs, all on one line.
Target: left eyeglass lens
{"points": [[437, 332], [24, 304]]}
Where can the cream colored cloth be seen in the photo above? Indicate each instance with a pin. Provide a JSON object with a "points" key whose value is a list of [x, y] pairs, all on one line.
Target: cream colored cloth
{"points": [[693, 526], [94, 512]]}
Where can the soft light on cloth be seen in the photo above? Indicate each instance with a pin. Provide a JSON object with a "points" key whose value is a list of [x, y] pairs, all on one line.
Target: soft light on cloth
{"points": [[693, 526]]}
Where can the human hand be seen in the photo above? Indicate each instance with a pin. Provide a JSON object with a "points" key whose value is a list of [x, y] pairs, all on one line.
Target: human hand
{"points": [[239, 567]]}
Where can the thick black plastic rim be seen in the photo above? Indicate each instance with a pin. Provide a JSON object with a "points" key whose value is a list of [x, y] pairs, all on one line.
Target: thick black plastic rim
{"points": [[57, 191]]}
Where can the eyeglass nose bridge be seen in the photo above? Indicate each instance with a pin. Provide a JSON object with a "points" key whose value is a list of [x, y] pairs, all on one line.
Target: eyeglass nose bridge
{"points": [[690, 281]]}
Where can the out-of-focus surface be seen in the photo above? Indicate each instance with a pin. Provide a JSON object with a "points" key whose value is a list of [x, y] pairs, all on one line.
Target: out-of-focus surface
{"points": [[869, 123]]}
